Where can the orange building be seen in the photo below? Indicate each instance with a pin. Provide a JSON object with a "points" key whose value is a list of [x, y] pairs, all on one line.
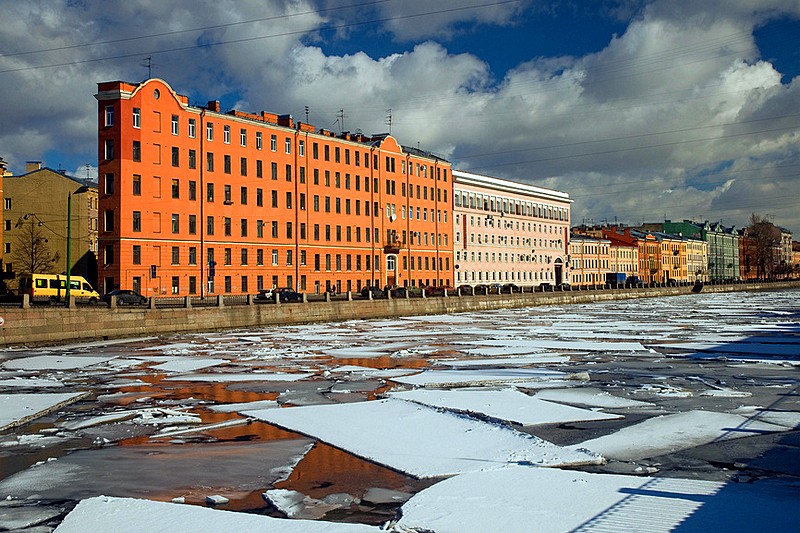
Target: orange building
{"points": [[195, 201]]}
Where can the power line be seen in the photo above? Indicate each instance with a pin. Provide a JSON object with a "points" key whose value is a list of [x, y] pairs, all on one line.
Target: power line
{"points": [[262, 37]]}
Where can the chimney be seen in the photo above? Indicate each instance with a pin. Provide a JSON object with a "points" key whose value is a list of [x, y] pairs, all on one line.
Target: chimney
{"points": [[285, 120], [213, 105], [30, 166]]}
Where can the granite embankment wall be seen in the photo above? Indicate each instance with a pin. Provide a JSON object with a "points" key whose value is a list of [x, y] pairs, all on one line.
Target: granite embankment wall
{"points": [[53, 325]]}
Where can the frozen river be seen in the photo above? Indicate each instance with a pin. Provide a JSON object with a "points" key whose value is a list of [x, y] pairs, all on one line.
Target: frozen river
{"points": [[678, 413]]}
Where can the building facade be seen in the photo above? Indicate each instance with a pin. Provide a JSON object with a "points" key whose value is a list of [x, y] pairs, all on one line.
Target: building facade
{"points": [[590, 258], [508, 232], [35, 209], [197, 201]]}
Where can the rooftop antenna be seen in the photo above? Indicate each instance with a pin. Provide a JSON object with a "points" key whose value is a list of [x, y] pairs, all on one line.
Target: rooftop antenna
{"points": [[306, 114], [340, 118], [389, 119], [148, 62]]}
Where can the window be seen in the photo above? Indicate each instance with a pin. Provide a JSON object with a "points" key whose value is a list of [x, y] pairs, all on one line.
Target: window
{"points": [[243, 137], [176, 225], [243, 196], [274, 199], [244, 256], [192, 224], [174, 126], [209, 131], [274, 170], [226, 134], [209, 161], [228, 256], [243, 226], [210, 225], [108, 183], [288, 230], [227, 226], [175, 156], [137, 117], [109, 149], [108, 254], [137, 254], [209, 192], [243, 166], [289, 258], [226, 164], [136, 185], [274, 229], [176, 288], [109, 115], [192, 128], [258, 140], [260, 197], [301, 148], [176, 189], [192, 158], [288, 172], [288, 200], [288, 145], [176, 255], [137, 221], [274, 257], [273, 143], [259, 169]]}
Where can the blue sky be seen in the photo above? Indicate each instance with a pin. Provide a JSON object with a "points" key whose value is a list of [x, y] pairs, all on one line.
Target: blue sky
{"points": [[638, 109]]}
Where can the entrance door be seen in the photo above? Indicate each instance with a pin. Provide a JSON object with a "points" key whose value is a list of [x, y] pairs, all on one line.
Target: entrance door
{"points": [[559, 268], [391, 270]]}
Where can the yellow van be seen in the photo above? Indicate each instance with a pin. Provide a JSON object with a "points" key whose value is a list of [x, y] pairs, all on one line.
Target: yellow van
{"points": [[54, 287]]}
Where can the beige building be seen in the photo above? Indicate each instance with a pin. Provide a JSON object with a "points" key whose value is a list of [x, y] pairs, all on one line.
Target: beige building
{"points": [[508, 232], [590, 258], [36, 203]]}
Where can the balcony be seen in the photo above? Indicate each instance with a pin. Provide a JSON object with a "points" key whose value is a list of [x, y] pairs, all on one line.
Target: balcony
{"points": [[392, 246]]}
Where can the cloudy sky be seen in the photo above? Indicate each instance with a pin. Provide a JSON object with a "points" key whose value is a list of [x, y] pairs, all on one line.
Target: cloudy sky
{"points": [[640, 110]]}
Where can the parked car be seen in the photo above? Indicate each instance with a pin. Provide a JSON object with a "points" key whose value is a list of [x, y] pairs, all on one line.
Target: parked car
{"points": [[546, 287], [266, 295], [376, 291], [400, 292], [439, 291], [510, 287], [466, 289], [480, 289], [124, 296], [564, 286], [287, 294]]}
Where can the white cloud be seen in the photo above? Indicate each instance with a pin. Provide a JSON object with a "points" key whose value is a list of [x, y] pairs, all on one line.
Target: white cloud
{"points": [[677, 103]]}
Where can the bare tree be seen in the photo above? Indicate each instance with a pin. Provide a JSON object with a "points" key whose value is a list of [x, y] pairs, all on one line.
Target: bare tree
{"points": [[32, 254], [765, 238]]}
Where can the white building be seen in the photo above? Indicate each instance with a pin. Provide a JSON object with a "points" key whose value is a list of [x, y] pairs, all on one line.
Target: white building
{"points": [[508, 232]]}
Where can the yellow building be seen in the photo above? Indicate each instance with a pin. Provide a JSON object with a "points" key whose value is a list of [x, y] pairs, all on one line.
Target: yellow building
{"points": [[35, 205], [590, 259]]}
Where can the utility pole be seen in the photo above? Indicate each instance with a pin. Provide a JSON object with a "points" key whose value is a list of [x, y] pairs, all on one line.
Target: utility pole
{"points": [[69, 244]]}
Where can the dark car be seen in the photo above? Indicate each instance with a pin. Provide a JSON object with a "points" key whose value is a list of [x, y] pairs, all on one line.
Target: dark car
{"points": [[266, 295], [511, 288], [466, 289], [376, 292], [124, 296], [439, 291], [546, 287], [402, 292], [286, 294], [480, 289]]}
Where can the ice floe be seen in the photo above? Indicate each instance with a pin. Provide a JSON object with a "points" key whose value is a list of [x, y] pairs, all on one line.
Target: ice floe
{"points": [[504, 405], [418, 440], [464, 378], [16, 409], [55, 362], [126, 515], [520, 500], [223, 377], [670, 433], [590, 397]]}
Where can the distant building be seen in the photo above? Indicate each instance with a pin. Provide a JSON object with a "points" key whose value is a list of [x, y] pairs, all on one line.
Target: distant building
{"points": [[40, 198], [721, 253], [590, 259], [509, 232]]}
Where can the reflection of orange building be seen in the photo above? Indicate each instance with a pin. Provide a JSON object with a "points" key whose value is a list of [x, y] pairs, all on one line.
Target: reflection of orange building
{"points": [[197, 201]]}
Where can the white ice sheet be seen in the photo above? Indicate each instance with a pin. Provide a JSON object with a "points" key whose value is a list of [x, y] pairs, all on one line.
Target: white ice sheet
{"points": [[127, 515], [55, 362], [231, 377], [521, 500], [670, 433], [506, 405], [418, 440], [589, 397], [445, 378], [16, 407]]}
